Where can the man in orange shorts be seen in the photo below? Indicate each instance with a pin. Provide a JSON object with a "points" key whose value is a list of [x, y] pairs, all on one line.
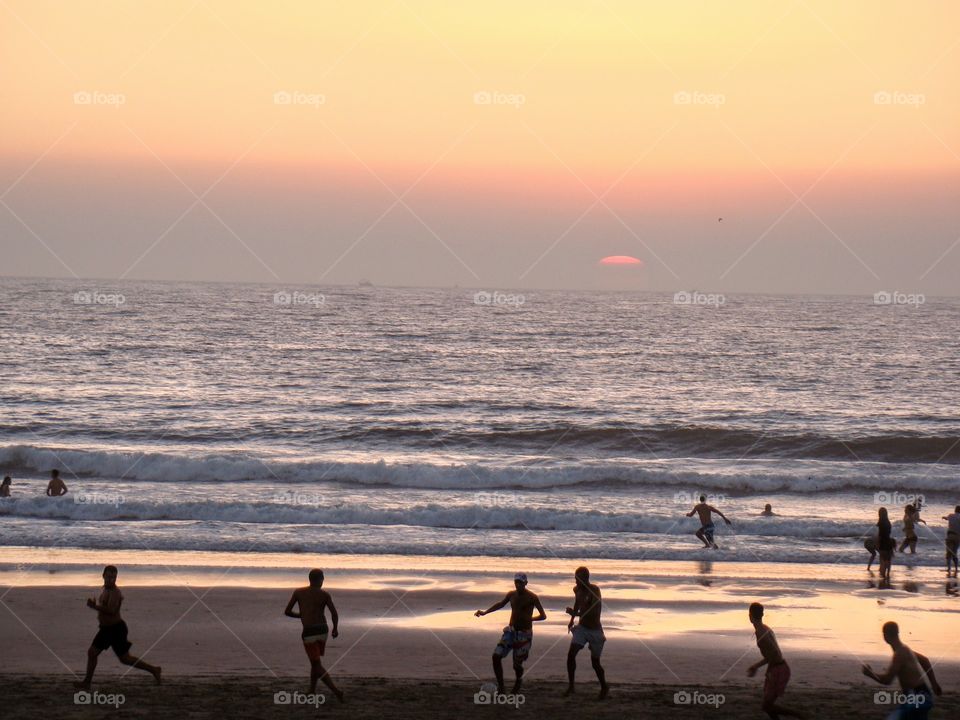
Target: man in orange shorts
{"points": [[313, 602], [778, 672]]}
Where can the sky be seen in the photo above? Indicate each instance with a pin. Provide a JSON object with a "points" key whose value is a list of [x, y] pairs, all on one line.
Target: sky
{"points": [[745, 146]]}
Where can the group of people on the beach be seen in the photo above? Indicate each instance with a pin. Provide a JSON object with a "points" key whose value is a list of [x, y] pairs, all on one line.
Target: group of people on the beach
{"points": [[310, 605], [880, 541]]}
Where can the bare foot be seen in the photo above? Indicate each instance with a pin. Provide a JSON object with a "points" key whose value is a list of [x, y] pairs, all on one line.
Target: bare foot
{"points": [[604, 691], [339, 694], [516, 688], [569, 691], [156, 675]]}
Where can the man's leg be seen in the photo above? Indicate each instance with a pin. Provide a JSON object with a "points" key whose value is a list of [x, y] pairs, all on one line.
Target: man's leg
{"points": [[155, 670], [601, 675], [92, 655], [518, 669], [702, 538], [775, 711], [317, 672], [572, 666], [498, 671]]}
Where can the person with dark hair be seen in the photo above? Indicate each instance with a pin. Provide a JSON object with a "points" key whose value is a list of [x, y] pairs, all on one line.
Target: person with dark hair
{"points": [[705, 533], [518, 635], [113, 631], [915, 673], [56, 487], [313, 602], [778, 672], [953, 538], [911, 516], [5, 486], [587, 605], [885, 543]]}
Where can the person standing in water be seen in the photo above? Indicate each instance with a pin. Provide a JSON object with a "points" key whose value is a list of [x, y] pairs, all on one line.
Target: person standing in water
{"points": [[518, 635], [56, 487], [707, 528], [870, 545], [953, 538], [914, 672], [885, 543], [113, 631], [5, 486], [587, 605], [911, 516], [313, 602]]}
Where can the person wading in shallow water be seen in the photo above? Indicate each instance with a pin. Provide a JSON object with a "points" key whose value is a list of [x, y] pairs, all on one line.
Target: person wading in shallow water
{"points": [[705, 533]]}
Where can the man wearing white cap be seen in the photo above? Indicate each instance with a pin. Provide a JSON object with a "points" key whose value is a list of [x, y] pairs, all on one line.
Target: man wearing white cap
{"points": [[518, 635]]}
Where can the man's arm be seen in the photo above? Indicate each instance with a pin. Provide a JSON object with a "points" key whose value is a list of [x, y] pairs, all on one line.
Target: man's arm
{"points": [[887, 677], [539, 607], [494, 607], [111, 607], [290, 612], [928, 671], [334, 617], [713, 509], [690, 514], [752, 670], [576, 610]]}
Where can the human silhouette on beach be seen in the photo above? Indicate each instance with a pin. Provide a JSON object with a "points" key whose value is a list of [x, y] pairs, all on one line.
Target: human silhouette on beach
{"points": [[5, 486], [913, 670], [778, 672], [587, 605], [953, 538], [113, 630], [518, 635], [885, 543], [911, 516], [707, 529], [313, 602]]}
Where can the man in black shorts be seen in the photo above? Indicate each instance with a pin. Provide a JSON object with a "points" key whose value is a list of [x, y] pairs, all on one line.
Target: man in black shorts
{"points": [[113, 630]]}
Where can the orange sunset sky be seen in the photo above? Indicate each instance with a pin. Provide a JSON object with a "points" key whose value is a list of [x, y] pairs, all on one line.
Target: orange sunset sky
{"points": [[485, 144]]}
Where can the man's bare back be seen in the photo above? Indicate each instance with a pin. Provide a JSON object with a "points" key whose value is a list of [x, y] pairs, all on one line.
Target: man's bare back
{"points": [[313, 603]]}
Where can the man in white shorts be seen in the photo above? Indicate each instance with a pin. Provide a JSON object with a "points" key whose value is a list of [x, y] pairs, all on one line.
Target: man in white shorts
{"points": [[587, 605]]}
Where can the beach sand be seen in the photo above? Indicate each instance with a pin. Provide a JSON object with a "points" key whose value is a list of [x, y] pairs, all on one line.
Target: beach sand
{"points": [[409, 643]]}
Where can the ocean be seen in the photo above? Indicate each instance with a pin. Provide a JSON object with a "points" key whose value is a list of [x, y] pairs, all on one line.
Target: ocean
{"points": [[457, 422]]}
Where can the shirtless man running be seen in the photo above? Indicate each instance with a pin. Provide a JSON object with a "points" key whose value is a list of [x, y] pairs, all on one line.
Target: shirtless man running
{"points": [[113, 630], [313, 601], [587, 605], [705, 533], [518, 635], [914, 672], [778, 672]]}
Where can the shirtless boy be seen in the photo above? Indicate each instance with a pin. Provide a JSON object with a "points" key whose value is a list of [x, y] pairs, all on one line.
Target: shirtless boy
{"points": [[113, 630], [914, 672], [778, 672], [705, 533], [518, 635], [587, 605], [313, 601]]}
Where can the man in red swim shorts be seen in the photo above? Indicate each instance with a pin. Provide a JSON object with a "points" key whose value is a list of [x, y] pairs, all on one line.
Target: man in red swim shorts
{"points": [[778, 672]]}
